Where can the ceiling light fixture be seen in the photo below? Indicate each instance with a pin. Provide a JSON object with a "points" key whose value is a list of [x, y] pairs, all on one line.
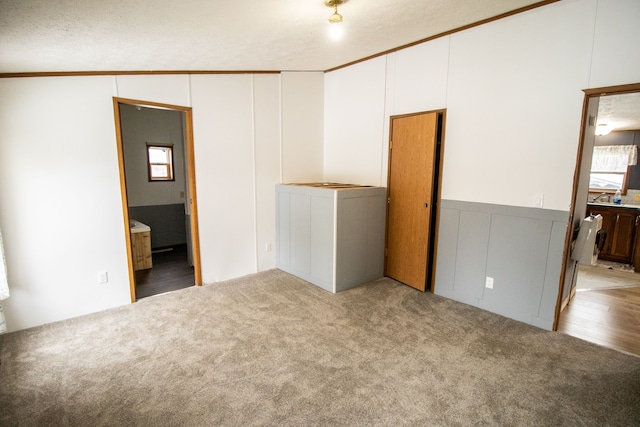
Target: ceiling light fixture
{"points": [[603, 129], [336, 18]]}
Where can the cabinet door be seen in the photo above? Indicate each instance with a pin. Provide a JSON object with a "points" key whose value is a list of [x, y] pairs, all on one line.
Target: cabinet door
{"points": [[623, 236]]}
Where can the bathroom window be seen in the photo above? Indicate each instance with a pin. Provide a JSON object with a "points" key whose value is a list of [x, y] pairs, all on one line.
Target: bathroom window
{"points": [[160, 162]]}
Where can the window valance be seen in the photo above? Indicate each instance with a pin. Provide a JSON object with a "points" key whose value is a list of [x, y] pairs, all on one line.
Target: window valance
{"points": [[614, 158]]}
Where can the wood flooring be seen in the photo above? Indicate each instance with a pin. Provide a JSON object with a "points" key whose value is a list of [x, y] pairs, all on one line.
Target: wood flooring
{"points": [[170, 272], [608, 316]]}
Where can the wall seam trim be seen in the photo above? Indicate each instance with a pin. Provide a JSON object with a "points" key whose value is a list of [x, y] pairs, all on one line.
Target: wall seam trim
{"points": [[281, 145], [455, 259], [546, 268], [593, 42], [384, 115], [446, 83], [255, 175], [115, 86], [335, 242], [486, 261]]}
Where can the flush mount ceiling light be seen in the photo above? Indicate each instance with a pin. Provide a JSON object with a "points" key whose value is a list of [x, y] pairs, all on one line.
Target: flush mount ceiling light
{"points": [[603, 129], [336, 18]]}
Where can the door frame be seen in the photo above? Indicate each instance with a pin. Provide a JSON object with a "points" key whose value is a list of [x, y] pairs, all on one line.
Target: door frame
{"points": [[191, 177], [437, 193], [577, 176]]}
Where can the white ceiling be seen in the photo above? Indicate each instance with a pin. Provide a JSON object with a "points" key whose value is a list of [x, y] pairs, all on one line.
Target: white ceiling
{"points": [[208, 35], [622, 112]]}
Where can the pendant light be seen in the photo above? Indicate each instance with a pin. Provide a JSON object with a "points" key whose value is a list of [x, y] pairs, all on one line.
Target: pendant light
{"points": [[336, 18]]}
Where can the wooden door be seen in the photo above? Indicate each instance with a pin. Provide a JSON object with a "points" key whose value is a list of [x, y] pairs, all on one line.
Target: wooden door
{"points": [[622, 240], [410, 186]]}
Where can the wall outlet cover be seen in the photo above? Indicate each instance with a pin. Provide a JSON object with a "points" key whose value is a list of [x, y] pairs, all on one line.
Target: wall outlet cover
{"points": [[489, 282], [103, 277]]}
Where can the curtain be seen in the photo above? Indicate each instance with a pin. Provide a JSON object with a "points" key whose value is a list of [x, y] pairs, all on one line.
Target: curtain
{"points": [[614, 158], [4, 285]]}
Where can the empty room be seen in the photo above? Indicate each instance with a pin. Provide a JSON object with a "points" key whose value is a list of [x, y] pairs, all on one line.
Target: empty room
{"points": [[380, 211]]}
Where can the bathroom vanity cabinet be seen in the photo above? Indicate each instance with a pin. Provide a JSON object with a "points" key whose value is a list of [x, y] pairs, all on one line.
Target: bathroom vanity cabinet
{"points": [[141, 246], [331, 235]]}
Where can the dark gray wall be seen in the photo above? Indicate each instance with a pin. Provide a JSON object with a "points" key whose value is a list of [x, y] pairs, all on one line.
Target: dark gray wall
{"points": [[153, 126], [624, 138], [521, 248], [167, 223]]}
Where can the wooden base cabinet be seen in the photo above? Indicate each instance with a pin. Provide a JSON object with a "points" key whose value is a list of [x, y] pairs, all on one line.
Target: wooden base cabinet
{"points": [[141, 250], [620, 224]]}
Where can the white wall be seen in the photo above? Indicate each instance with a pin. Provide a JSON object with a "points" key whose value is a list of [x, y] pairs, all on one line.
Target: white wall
{"points": [[60, 207], [165, 89], [514, 107], [354, 121], [513, 90], [513, 94], [222, 115], [302, 127], [615, 58], [266, 90]]}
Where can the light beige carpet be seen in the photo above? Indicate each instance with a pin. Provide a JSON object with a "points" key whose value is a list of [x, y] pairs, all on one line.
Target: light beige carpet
{"points": [[273, 350]]}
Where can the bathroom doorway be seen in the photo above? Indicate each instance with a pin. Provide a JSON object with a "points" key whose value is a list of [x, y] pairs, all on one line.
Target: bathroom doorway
{"points": [[155, 150]]}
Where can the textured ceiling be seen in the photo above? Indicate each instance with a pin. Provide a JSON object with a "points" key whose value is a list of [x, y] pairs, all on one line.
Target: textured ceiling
{"points": [[622, 112], [166, 35]]}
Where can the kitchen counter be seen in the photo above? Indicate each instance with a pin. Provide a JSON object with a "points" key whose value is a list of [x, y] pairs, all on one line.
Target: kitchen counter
{"points": [[612, 205]]}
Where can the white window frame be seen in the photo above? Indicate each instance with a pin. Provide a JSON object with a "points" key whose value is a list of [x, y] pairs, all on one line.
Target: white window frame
{"points": [[167, 165]]}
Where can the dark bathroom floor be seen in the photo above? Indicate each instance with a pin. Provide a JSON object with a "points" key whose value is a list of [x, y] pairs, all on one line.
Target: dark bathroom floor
{"points": [[170, 272]]}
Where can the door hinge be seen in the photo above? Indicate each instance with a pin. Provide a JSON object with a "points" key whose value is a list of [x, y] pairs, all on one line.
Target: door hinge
{"points": [[390, 145], [385, 251], [388, 200]]}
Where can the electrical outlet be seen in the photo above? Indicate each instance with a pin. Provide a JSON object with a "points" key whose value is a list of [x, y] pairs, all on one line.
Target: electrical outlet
{"points": [[489, 282], [267, 247], [103, 277], [636, 198]]}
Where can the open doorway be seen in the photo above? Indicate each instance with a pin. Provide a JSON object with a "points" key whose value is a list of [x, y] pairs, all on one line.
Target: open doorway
{"points": [[602, 290], [155, 149]]}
